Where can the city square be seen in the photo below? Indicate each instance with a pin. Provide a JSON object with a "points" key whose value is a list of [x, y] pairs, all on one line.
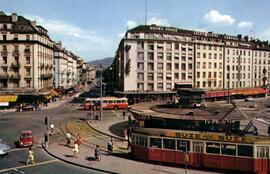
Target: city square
{"points": [[134, 87]]}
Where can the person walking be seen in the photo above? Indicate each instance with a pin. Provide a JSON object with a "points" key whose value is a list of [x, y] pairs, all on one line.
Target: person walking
{"points": [[51, 128], [30, 156], [46, 140], [78, 139], [97, 153], [129, 120], [76, 150], [124, 114], [68, 137], [110, 147]]}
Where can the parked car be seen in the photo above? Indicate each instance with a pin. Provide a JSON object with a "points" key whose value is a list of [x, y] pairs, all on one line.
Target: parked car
{"points": [[26, 138], [248, 99], [4, 148]]}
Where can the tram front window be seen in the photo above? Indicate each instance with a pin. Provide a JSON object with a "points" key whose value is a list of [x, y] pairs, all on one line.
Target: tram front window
{"points": [[156, 142]]}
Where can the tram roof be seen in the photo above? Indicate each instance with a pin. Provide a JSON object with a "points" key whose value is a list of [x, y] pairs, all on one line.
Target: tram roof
{"points": [[210, 136]]}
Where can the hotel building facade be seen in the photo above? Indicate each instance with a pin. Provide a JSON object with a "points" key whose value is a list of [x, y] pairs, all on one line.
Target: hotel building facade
{"points": [[26, 57], [159, 59]]}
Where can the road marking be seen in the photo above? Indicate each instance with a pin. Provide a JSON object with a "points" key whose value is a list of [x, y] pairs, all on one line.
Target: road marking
{"points": [[116, 114], [27, 166]]}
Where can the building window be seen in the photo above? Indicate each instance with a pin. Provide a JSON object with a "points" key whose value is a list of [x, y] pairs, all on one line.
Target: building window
{"points": [[5, 26], [4, 37], [151, 46], [209, 64], [150, 86], [204, 55], [160, 86], [204, 65], [204, 84], [176, 76], [168, 46], [15, 37], [150, 76], [198, 84], [169, 56], [140, 56], [204, 74], [160, 56], [160, 66], [169, 76], [169, 66], [198, 74], [209, 56], [183, 67], [160, 76], [150, 56], [140, 67], [176, 46], [28, 83], [176, 66], [189, 66], [168, 86], [176, 56], [150, 66], [28, 72], [183, 76], [140, 86], [183, 58], [5, 60], [198, 65], [198, 55], [27, 37], [140, 76], [140, 45]]}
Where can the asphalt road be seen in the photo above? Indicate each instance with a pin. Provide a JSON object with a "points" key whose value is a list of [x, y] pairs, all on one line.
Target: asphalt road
{"points": [[12, 124]]}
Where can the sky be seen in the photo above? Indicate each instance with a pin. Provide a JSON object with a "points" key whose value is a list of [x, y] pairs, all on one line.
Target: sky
{"points": [[92, 29]]}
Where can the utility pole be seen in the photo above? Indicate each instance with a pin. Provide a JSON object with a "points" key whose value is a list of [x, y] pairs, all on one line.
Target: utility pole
{"points": [[229, 97], [101, 67]]}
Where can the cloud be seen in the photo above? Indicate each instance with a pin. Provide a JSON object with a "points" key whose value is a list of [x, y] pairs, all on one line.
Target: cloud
{"points": [[215, 18], [121, 35], [131, 24], [58, 27], [266, 34], [158, 21], [83, 42], [245, 24]]}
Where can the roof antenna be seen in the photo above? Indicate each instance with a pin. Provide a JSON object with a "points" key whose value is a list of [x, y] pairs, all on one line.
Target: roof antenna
{"points": [[145, 12]]}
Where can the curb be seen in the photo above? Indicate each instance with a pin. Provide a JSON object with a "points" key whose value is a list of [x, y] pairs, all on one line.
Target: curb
{"points": [[115, 137], [76, 164]]}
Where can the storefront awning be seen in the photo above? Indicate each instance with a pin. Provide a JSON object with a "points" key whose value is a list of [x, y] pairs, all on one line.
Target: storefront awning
{"points": [[49, 96], [8, 98], [54, 93]]}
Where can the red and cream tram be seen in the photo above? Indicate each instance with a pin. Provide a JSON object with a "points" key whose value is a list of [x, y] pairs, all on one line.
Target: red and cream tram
{"points": [[202, 149]]}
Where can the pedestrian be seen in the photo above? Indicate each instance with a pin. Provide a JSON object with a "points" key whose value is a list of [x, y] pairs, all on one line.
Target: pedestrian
{"points": [[30, 156], [68, 137], [125, 134], [97, 153], [76, 150], [78, 139], [129, 120], [51, 128], [129, 142], [46, 140], [110, 146], [124, 114]]}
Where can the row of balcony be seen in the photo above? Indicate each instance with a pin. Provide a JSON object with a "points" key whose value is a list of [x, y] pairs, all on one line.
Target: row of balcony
{"points": [[46, 76], [43, 65], [11, 77], [16, 65], [16, 53]]}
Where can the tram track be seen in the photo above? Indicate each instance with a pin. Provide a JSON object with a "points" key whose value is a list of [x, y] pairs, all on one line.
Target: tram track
{"points": [[91, 137]]}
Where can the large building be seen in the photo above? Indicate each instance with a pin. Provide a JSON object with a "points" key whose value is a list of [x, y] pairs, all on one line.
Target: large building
{"points": [[158, 59], [26, 55]]}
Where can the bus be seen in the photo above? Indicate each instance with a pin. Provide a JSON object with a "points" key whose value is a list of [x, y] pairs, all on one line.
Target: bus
{"points": [[107, 103]]}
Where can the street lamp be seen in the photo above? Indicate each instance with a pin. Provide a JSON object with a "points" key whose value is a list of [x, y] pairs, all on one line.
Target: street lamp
{"points": [[228, 68], [101, 67]]}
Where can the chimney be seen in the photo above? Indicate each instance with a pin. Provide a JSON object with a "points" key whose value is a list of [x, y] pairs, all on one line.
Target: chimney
{"points": [[14, 17], [34, 23]]}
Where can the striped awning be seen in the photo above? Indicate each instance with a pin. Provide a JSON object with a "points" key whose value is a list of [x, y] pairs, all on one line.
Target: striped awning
{"points": [[54, 93], [8, 98]]}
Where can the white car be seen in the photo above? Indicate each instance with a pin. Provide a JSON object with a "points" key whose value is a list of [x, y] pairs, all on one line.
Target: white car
{"points": [[4, 148], [249, 99]]}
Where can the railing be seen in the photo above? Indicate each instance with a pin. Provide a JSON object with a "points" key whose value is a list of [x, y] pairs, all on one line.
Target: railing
{"points": [[27, 53], [3, 76], [16, 53], [4, 53], [46, 76], [15, 65], [15, 77]]}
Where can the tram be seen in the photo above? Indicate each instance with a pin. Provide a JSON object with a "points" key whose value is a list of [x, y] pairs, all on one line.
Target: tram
{"points": [[247, 153]]}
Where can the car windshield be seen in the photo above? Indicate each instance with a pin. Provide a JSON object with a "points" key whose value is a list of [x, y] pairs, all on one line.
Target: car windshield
{"points": [[26, 135]]}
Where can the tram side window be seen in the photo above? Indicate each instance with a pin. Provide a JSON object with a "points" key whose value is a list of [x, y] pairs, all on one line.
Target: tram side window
{"points": [[244, 150], [142, 141], [183, 145], [169, 144], [228, 149], [213, 148], [198, 146], [262, 152], [156, 142]]}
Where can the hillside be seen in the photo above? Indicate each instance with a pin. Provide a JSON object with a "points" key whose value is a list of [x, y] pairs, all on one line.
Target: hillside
{"points": [[105, 62]]}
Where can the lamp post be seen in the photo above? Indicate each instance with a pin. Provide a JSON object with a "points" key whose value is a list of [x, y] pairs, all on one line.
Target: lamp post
{"points": [[229, 97], [100, 91]]}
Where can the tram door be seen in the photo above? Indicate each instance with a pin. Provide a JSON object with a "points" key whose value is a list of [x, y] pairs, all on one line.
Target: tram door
{"points": [[198, 153], [262, 158]]}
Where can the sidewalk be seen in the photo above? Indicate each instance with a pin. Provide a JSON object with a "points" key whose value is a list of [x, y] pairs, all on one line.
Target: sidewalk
{"points": [[116, 163]]}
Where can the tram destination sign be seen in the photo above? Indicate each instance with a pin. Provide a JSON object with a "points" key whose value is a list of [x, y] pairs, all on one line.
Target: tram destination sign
{"points": [[211, 136]]}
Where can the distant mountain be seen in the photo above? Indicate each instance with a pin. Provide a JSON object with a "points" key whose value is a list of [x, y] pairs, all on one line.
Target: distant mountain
{"points": [[105, 62]]}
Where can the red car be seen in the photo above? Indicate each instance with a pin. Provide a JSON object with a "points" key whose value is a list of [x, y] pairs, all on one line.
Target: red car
{"points": [[26, 138]]}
